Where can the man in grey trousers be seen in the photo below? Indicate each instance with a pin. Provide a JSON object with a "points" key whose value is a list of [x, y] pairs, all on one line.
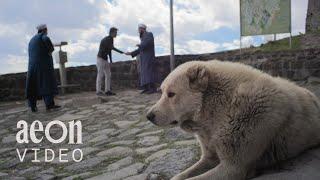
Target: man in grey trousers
{"points": [[103, 66]]}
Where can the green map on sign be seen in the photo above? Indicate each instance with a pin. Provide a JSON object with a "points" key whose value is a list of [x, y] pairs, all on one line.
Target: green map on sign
{"points": [[265, 17]]}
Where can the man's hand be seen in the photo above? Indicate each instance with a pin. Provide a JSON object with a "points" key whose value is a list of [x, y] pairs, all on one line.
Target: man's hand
{"points": [[127, 53]]}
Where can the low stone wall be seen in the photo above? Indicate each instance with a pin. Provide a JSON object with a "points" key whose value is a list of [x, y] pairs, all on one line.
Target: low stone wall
{"points": [[294, 65]]}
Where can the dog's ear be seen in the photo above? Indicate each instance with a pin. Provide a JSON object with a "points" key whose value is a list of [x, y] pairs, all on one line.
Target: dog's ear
{"points": [[198, 77]]}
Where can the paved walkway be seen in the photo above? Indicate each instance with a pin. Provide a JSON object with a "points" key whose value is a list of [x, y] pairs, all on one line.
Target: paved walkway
{"points": [[118, 143]]}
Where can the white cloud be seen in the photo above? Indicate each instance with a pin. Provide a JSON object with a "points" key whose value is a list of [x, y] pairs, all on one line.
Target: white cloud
{"points": [[83, 23], [126, 42], [298, 15], [13, 64], [197, 46], [80, 46], [235, 44], [7, 29]]}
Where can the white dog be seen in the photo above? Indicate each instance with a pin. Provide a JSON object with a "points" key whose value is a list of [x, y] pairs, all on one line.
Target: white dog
{"points": [[243, 118]]}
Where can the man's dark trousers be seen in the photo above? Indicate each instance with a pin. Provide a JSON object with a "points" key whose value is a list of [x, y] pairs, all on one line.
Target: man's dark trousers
{"points": [[48, 100]]}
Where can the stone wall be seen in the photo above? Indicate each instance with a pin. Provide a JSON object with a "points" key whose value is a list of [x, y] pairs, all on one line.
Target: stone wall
{"points": [[313, 16], [294, 65]]}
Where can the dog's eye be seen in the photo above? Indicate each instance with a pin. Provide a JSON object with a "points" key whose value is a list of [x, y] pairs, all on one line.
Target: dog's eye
{"points": [[171, 94]]}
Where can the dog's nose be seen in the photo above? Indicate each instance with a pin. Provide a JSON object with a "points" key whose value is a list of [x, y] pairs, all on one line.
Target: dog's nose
{"points": [[151, 116]]}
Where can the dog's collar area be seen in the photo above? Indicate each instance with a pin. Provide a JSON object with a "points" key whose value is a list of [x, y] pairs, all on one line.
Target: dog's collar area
{"points": [[190, 126]]}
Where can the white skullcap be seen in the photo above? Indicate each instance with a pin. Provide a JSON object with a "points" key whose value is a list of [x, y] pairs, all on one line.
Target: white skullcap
{"points": [[41, 27], [142, 26]]}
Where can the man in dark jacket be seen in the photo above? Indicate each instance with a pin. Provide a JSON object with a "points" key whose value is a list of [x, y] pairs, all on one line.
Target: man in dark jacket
{"points": [[41, 82], [147, 59], [103, 66]]}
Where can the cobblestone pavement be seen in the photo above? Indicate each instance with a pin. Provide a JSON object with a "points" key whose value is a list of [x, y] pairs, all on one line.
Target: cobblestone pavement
{"points": [[118, 143]]}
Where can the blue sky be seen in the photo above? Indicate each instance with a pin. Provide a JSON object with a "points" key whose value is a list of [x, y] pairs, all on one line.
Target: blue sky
{"points": [[201, 26]]}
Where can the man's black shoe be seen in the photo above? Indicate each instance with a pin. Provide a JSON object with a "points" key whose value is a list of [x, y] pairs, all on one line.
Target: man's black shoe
{"points": [[53, 107], [34, 109], [109, 93], [144, 91], [151, 91]]}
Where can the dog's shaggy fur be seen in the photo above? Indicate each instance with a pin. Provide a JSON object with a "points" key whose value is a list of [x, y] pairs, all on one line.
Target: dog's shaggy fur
{"points": [[243, 118]]}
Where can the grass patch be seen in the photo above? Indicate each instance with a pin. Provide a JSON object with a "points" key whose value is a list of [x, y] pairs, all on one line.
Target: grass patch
{"points": [[317, 32], [284, 44], [281, 45]]}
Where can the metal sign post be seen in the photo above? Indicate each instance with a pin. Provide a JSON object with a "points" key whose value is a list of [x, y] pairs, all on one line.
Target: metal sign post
{"points": [[172, 59], [62, 59], [240, 29], [290, 39], [240, 46]]}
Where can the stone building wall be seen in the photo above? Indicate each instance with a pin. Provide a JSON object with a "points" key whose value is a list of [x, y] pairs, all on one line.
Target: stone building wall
{"points": [[294, 65], [313, 16]]}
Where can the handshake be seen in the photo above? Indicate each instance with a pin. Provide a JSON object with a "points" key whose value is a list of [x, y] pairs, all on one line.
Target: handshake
{"points": [[127, 53]]}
